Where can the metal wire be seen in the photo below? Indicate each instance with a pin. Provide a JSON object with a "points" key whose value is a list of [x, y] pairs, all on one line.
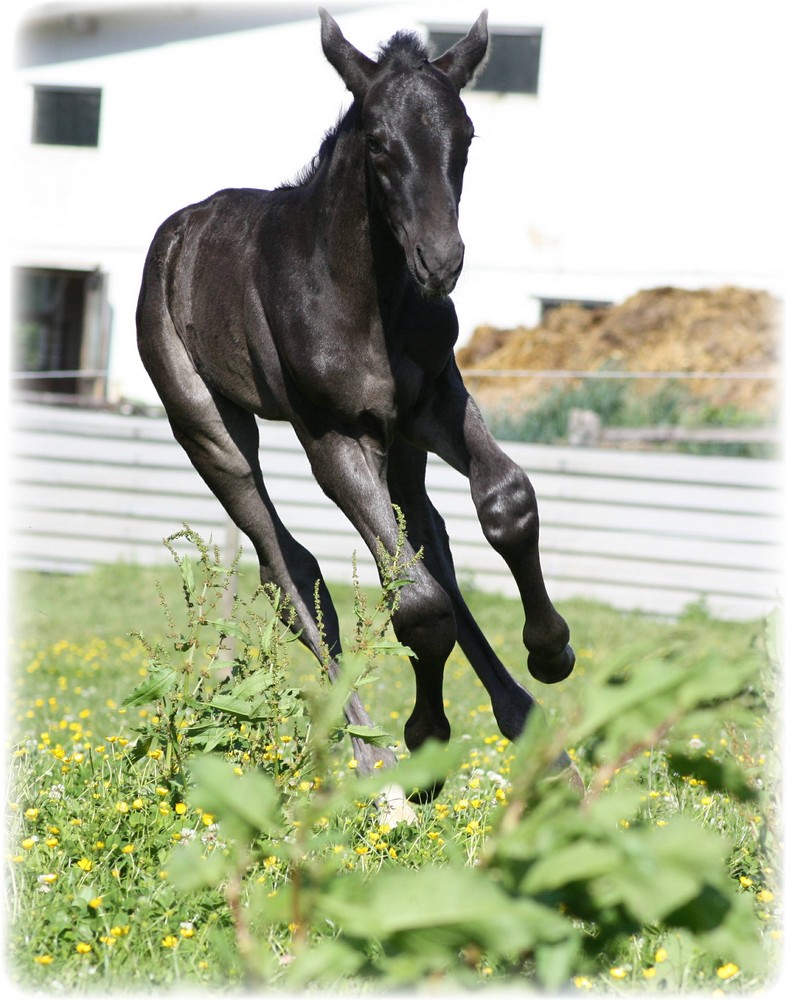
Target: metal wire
{"points": [[559, 373]]}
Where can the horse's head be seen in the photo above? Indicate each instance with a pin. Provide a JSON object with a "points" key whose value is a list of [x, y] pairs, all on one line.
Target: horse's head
{"points": [[417, 135]]}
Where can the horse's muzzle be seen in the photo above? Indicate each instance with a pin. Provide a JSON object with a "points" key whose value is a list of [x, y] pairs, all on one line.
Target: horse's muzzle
{"points": [[437, 267]]}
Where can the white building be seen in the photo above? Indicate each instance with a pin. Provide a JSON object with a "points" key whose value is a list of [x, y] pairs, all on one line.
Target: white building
{"points": [[643, 147]]}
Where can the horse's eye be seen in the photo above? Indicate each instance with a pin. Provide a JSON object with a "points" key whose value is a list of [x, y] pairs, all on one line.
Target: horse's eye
{"points": [[373, 145]]}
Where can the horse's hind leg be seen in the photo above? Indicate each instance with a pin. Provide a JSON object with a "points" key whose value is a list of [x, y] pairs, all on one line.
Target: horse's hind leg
{"points": [[222, 441]]}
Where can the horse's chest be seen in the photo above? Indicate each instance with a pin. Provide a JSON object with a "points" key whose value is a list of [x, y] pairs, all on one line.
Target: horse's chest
{"points": [[348, 381]]}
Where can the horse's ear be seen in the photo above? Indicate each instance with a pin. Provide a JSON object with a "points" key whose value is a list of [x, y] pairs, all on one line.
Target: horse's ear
{"points": [[463, 60], [353, 66]]}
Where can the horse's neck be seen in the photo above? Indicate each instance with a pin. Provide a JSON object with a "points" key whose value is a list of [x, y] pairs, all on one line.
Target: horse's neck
{"points": [[356, 232]]}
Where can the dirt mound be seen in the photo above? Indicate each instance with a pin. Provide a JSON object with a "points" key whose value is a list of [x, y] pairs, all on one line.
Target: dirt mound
{"points": [[726, 329]]}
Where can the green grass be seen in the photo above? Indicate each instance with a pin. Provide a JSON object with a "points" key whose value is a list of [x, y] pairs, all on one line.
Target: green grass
{"points": [[93, 906]]}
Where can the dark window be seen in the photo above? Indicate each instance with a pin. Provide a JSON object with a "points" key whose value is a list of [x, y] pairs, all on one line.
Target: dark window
{"points": [[60, 332], [66, 116], [513, 63], [548, 304]]}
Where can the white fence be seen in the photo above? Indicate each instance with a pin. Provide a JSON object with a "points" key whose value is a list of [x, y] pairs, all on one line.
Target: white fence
{"points": [[639, 531]]}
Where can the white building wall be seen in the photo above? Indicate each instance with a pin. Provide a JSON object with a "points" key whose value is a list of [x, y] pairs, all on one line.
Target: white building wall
{"points": [[652, 154]]}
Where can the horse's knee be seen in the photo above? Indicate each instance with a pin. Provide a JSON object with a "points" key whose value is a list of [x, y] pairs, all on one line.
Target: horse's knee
{"points": [[508, 511], [425, 621]]}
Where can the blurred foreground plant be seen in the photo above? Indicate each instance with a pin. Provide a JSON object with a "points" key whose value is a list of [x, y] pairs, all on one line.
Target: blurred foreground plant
{"points": [[561, 882]]}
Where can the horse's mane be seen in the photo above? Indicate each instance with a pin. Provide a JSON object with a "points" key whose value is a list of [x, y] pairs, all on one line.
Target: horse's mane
{"points": [[404, 48]]}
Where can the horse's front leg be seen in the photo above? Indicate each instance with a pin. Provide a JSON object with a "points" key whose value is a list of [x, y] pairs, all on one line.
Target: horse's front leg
{"points": [[504, 498], [351, 471]]}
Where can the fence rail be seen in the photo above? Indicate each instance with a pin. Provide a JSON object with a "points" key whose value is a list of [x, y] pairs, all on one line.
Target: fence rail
{"points": [[637, 530]]}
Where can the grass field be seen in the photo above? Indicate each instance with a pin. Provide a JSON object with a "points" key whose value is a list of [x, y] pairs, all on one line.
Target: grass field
{"points": [[123, 876]]}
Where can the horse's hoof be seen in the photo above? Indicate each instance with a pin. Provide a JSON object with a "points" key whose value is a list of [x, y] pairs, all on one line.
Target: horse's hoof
{"points": [[553, 669], [394, 807]]}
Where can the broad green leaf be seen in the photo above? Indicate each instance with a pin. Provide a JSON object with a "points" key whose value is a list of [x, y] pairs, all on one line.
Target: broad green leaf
{"points": [[247, 698], [187, 573], [231, 628], [451, 904], [325, 961], [555, 961], [391, 648], [370, 734], [250, 801], [718, 776], [192, 871], [160, 682], [578, 862]]}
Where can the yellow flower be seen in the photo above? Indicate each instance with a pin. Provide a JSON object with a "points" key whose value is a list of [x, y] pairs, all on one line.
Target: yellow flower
{"points": [[362, 849], [745, 881], [617, 972], [170, 941], [180, 808], [649, 973], [84, 948], [765, 896], [352, 764], [44, 959], [85, 864], [727, 971], [208, 818], [187, 929], [31, 814], [29, 843], [128, 849], [95, 903], [583, 983], [660, 955], [121, 807]]}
